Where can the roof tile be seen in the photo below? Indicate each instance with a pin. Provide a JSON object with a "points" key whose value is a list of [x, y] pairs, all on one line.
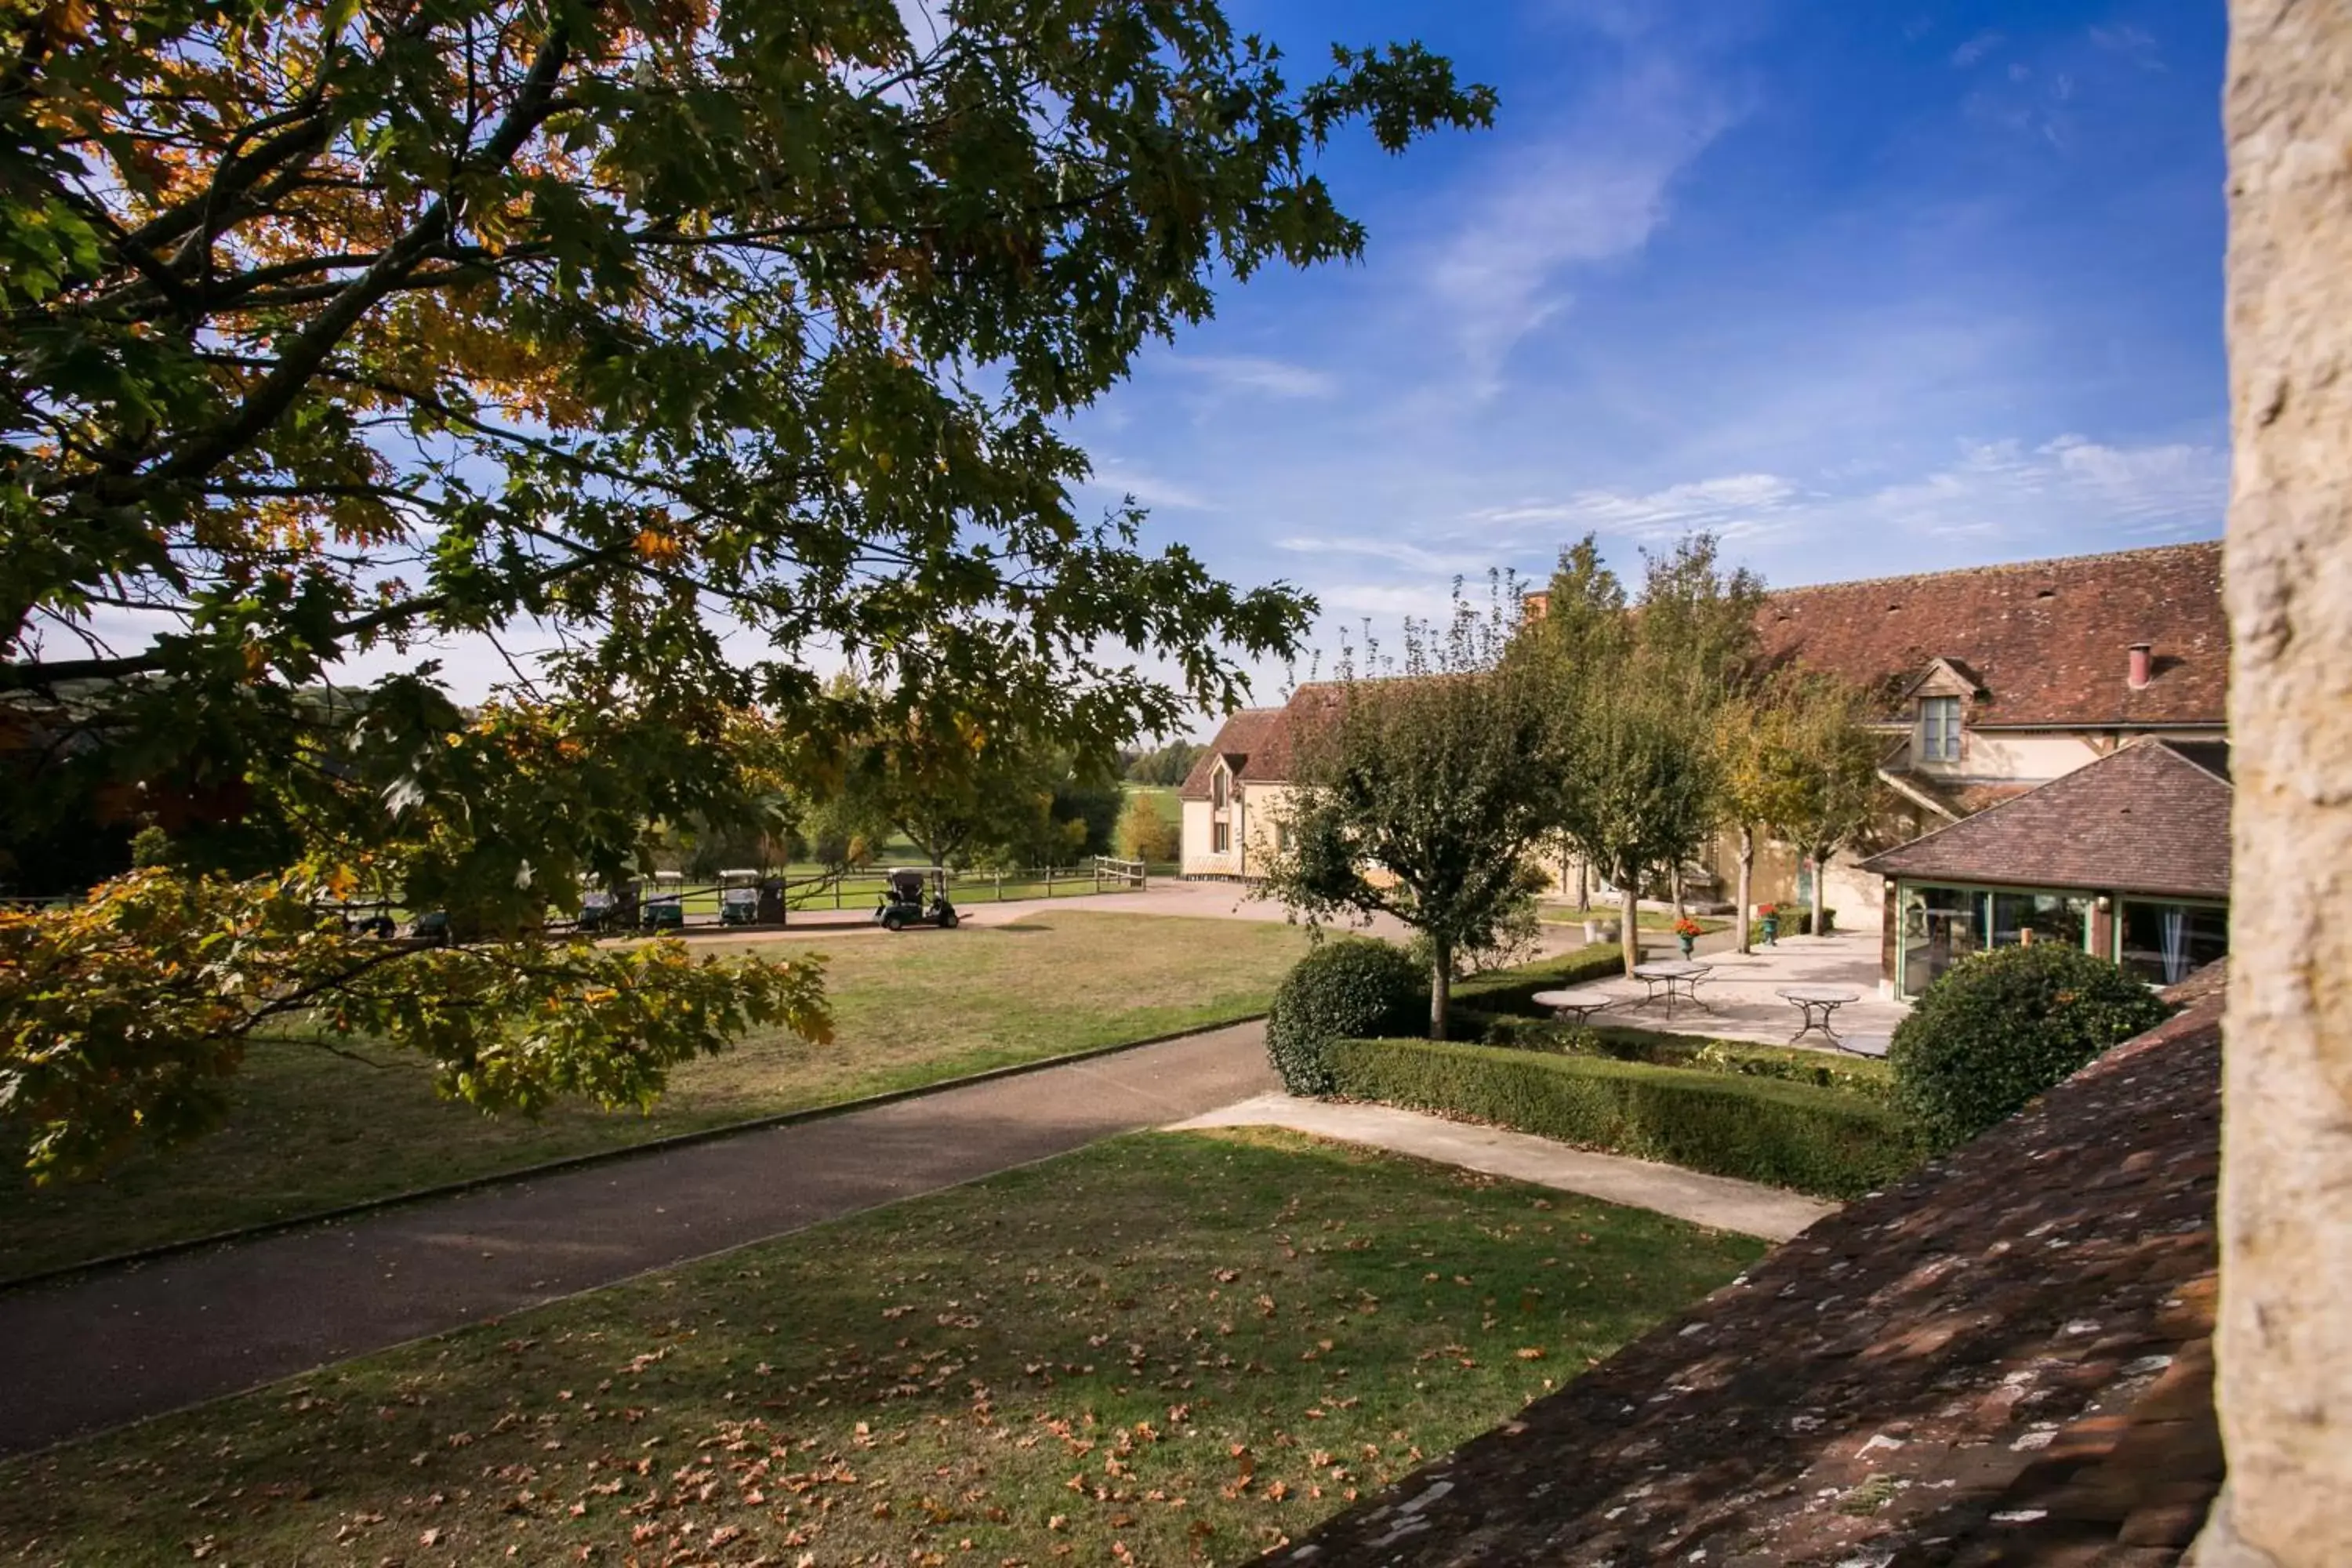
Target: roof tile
{"points": [[2047, 641], [2146, 819], [2003, 1358]]}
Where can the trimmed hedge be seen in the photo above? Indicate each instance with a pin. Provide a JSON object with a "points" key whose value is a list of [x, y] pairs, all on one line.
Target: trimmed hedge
{"points": [[1512, 991], [1865, 1076], [2000, 1028], [1789, 1134], [1355, 985]]}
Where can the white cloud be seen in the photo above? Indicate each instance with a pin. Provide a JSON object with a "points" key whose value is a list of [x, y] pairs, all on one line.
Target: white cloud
{"points": [[1735, 506], [2135, 44], [1593, 193], [1453, 563], [2072, 484], [1387, 602], [1147, 488], [1976, 49], [1243, 373]]}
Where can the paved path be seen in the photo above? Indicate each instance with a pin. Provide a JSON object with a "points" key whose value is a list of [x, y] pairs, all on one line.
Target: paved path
{"points": [[1717, 1200], [118, 1345]]}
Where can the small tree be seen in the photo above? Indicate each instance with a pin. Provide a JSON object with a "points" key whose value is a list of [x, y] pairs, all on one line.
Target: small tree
{"points": [[1639, 692], [1819, 788], [1422, 795], [1145, 833], [1636, 791]]}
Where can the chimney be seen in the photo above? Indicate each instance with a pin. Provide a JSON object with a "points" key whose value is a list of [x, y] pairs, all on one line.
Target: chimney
{"points": [[2140, 662]]}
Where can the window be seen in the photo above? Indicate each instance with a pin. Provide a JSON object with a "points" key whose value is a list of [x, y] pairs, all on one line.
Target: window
{"points": [[1941, 926], [1217, 788], [2163, 943], [1939, 729], [1281, 837], [1220, 838]]}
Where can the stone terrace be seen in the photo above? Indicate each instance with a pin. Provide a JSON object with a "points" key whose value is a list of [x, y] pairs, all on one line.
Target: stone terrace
{"points": [[2003, 1360]]}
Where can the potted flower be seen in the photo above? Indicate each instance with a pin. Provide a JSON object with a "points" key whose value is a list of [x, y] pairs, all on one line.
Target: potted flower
{"points": [[1769, 914], [1686, 931]]}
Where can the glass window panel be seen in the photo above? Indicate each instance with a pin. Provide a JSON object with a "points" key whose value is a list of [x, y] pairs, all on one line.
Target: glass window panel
{"points": [[2050, 917], [2165, 943], [1940, 928]]}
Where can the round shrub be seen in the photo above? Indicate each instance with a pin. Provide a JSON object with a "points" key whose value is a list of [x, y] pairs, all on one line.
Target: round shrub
{"points": [[2006, 1025], [1354, 988]]}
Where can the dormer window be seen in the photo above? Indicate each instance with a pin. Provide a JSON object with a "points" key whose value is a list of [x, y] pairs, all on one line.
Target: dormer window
{"points": [[1939, 729], [1217, 787]]}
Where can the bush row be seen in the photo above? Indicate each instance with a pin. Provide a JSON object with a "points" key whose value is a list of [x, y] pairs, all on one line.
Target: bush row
{"points": [[1854, 1075], [1757, 1129]]}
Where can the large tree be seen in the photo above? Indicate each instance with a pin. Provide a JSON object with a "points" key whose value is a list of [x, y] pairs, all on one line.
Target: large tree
{"points": [[1422, 794], [698, 337]]}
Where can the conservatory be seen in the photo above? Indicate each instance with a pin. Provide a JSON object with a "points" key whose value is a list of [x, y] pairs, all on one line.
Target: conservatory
{"points": [[2128, 858]]}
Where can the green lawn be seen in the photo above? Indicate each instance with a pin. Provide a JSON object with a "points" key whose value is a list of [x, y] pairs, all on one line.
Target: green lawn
{"points": [[1170, 1348], [311, 1131]]}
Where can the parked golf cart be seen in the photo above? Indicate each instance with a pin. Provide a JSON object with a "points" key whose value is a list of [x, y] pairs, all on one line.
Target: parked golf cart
{"points": [[666, 911], [597, 906], [738, 898], [901, 903]]}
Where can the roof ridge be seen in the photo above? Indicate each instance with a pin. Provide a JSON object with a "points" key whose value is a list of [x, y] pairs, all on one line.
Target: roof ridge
{"points": [[1991, 568]]}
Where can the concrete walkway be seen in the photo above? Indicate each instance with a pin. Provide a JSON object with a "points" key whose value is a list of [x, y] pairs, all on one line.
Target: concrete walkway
{"points": [[113, 1346], [1717, 1201]]}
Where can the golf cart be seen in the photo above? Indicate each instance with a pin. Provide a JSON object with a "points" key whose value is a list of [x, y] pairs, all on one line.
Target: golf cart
{"points": [[902, 904], [738, 898], [666, 911], [596, 910]]}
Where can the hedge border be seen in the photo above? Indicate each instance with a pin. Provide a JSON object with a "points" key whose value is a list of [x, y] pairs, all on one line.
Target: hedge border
{"points": [[1821, 1141]]}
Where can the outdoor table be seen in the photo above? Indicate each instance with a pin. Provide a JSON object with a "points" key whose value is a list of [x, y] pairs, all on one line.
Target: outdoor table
{"points": [[1818, 1002], [1583, 1002], [1675, 979]]}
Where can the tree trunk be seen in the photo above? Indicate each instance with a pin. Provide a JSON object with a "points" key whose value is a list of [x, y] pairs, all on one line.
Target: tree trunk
{"points": [[1440, 985], [1629, 894], [1583, 885], [1675, 889], [1813, 896], [1747, 873]]}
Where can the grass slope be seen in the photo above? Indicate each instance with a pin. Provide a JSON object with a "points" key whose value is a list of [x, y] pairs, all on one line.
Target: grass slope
{"points": [[310, 1130], [1169, 1347]]}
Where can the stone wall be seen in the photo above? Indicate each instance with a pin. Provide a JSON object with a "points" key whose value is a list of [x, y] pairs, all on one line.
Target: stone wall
{"points": [[2285, 1341]]}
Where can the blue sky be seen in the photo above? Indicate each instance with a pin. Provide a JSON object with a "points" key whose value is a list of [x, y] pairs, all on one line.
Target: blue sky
{"points": [[1865, 287]]}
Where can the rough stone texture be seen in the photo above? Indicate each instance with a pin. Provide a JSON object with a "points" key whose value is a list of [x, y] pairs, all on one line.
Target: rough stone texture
{"points": [[2004, 1359], [2286, 1340]]}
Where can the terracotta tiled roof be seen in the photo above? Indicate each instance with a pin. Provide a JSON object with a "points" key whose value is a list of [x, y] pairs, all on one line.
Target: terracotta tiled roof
{"points": [[1241, 733], [2146, 819], [1956, 800], [1264, 740], [2047, 641], [2003, 1359]]}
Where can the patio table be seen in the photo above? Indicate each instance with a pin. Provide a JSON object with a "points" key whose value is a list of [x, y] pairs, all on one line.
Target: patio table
{"points": [[1675, 979], [1818, 1004], [1583, 1002]]}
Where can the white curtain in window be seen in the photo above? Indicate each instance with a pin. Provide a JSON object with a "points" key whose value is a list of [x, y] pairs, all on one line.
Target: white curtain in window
{"points": [[2175, 945]]}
